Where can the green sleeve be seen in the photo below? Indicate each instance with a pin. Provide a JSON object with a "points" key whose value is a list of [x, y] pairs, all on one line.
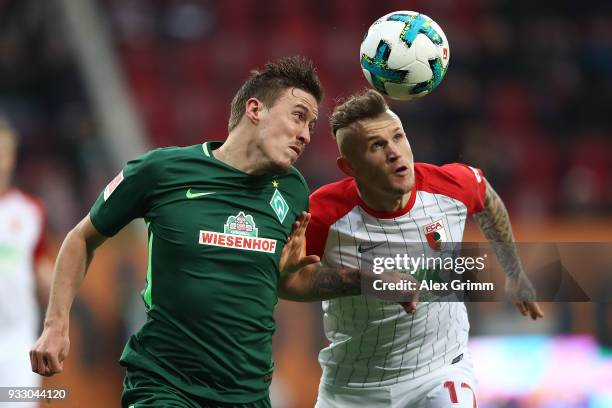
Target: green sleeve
{"points": [[126, 197]]}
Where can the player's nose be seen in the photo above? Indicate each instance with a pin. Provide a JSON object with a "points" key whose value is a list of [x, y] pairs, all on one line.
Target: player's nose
{"points": [[304, 135], [392, 152]]}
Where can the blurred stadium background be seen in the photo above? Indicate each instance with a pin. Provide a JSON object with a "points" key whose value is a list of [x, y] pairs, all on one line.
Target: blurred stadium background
{"points": [[527, 98]]}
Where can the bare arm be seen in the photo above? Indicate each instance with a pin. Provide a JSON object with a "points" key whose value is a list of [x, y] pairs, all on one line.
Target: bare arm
{"points": [[316, 282], [304, 279], [43, 269], [71, 266], [494, 222]]}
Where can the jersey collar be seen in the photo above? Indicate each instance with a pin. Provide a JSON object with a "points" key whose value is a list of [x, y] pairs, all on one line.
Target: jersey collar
{"points": [[388, 215], [207, 149]]}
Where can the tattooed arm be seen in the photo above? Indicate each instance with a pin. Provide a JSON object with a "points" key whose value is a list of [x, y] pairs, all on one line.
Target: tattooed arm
{"points": [[304, 279], [494, 222], [316, 282]]}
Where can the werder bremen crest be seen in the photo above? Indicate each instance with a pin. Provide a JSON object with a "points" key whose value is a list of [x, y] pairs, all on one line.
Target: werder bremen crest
{"points": [[240, 224], [279, 205]]}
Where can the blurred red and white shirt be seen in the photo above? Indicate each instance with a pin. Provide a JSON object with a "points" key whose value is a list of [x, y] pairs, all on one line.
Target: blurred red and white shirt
{"points": [[22, 242]]}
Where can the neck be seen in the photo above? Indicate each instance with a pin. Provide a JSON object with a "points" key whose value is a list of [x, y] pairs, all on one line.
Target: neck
{"points": [[383, 201], [4, 185], [240, 152]]}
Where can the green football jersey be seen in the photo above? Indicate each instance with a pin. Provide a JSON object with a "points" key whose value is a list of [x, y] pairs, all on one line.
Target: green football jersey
{"points": [[215, 239]]}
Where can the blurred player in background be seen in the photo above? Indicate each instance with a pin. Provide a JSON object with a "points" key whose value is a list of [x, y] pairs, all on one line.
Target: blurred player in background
{"points": [[380, 356], [25, 270], [218, 215]]}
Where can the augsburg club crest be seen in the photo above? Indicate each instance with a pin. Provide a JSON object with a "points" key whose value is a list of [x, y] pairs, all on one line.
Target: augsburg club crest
{"points": [[435, 234], [240, 224]]}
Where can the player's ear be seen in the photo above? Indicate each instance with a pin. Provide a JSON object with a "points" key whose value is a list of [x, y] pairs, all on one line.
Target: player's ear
{"points": [[344, 166], [253, 110]]}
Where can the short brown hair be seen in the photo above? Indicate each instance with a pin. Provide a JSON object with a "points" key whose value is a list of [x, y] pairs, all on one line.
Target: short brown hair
{"points": [[267, 85], [366, 104]]}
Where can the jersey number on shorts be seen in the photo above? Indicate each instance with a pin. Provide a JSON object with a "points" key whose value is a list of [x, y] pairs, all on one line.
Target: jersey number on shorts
{"points": [[452, 391]]}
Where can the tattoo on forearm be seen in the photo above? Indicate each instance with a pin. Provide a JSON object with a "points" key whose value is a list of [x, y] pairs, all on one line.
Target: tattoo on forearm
{"points": [[333, 282], [495, 225]]}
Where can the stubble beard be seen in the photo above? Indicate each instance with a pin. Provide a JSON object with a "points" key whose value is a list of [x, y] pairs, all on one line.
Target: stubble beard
{"points": [[279, 169]]}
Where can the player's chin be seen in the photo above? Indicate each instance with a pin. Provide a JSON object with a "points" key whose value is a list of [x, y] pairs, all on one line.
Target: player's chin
{"points": [[403, 181], [403, 186], [282, 166]]}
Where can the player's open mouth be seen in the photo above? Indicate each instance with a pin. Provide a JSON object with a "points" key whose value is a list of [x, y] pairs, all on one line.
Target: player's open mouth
{"points": [[402, 171], [296, 150]]}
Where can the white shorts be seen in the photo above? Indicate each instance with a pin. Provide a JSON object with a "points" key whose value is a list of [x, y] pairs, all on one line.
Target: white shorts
{"points": [[451, 386]]}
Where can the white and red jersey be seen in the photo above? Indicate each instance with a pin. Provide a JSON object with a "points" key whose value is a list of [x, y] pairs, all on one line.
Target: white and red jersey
{"points": [[373, 342], [22, 231]]}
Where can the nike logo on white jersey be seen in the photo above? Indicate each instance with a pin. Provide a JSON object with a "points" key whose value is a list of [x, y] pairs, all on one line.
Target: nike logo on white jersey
{"points": [[363, 249]]}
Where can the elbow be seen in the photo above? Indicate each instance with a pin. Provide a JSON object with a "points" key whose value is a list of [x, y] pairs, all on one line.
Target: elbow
{"points": [[77, 242], [74, 237]]}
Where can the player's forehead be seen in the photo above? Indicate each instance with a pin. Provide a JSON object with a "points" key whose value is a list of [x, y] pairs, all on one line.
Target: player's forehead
{"points": [[385, 124], [296, 98]]}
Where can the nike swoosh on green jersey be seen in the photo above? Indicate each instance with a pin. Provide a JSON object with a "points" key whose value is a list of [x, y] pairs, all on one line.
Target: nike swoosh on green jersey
{"points": [[196, 195]]}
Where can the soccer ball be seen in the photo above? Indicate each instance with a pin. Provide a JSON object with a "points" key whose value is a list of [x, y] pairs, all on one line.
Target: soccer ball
{"points": [[404, 55]]}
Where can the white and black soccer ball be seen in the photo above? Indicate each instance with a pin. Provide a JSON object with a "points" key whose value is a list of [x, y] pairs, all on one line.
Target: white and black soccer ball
{"points": [[404, 55]]}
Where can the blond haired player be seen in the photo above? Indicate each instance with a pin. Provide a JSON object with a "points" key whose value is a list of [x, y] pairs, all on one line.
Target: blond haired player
{"points": [[380, 356]]}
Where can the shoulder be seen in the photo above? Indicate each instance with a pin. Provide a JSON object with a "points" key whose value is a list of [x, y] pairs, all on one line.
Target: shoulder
{"points": [[25, 201], [328, 204], [162, 154], [333, 201], [299, 178], [30, 200], [456, 180], [448, 175], [155, 161]]}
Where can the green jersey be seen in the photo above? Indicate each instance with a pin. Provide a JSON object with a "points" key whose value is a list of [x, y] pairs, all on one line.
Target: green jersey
{"points": [[215, 239]]}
